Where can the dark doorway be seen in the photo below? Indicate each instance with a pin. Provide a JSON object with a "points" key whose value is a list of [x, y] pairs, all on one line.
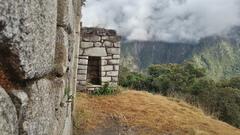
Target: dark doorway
{"points": [[93, 70]]}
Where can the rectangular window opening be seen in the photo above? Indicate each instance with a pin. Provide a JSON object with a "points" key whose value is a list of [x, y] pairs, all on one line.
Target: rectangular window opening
{"points": [[94, 70]]}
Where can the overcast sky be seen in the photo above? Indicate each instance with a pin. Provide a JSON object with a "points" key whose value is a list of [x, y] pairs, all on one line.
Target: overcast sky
{"points": [[167, 20]]}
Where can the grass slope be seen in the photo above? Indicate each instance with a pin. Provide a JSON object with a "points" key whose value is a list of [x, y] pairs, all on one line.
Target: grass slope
{"points": [[141, 113]]}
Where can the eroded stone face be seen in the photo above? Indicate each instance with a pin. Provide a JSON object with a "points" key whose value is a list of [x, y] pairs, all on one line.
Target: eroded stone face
{"points": [[44, 114], [27, 36], [8, 115]]}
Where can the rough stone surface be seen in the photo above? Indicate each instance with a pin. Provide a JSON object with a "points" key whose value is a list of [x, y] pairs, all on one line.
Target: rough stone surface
{"points": [[108, 44], [113, 51], [92, 38], [112, 73], [98, 44], [114, 61], [86, 44], [107, 68], [116, 67], [44, 116], [115, 79], [82, 77], [38, 37], [116, 56], [65, 16], [106, 79], [82, 72], [83, 62], [61, 51], [8, 115], [27, 36]]}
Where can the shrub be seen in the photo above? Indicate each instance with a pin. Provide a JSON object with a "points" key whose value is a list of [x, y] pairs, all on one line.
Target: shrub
{"points": [[132, 79], [106, 90], [224, 102], [189, 82]]}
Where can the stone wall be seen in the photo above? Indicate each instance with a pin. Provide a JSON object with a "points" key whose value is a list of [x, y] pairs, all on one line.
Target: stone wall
{"points": [[103, 43], [39, 46]]}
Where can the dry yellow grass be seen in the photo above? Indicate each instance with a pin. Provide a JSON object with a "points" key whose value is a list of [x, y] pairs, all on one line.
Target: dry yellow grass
{"points": [[148, 114]]}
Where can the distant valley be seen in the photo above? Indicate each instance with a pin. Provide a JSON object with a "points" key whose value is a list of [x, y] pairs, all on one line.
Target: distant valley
{"points": [[218, 54]]}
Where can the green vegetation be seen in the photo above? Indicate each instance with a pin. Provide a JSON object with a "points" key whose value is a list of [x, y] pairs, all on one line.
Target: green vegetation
{"points": [[219, 56], [106, 90], [221, 99]]}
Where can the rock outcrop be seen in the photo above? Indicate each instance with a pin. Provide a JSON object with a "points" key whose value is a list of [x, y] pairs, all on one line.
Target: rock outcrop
{"points": [[39, 43]]}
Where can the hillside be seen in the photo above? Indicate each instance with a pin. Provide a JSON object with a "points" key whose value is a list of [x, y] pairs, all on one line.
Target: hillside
{"points": [[220, 55], [140, 54], [141, 113]]}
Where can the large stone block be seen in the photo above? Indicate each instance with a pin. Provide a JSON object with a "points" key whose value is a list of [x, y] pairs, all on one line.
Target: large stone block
{"points": [[82, 77], [108, 44], [107, 68], [8, 115], [61, 51], [114, 61], [83, 62], [45, 113], [86, 44], [106, 79], [97, 51], [66, 15], [115, 51], [27, 36], [112, 73], [92, 38]]}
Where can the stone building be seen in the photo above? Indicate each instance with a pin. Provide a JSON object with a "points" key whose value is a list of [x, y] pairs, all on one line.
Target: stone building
{"points": [[99, 57]]}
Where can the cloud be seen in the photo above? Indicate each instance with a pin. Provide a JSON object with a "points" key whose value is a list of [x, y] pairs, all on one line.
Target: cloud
{"points": [[168, 20]]}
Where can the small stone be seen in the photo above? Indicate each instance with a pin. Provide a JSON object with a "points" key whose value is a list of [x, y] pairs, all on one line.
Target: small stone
{"points": [[106, 79], [116, 67], [107, 58], [82, 77], [117, 44], [98, 44], [116, 56], [82, 82], [114, 61], [114, 79], [91, 38], [108, 44], [83, 57], [103, 62], [82, 67], [83, 62], [105, 37], [80, 51], [112, 73], [113, 51], [107, 68], [86, 44], [103, 74], [82, 72]]}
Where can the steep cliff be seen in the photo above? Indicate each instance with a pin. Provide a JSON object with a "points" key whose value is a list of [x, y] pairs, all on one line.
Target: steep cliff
{"points": [[218, 54], [141, 54]]}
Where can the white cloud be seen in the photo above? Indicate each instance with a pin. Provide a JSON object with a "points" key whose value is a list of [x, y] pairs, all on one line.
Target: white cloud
{"points": [[169, 20]]}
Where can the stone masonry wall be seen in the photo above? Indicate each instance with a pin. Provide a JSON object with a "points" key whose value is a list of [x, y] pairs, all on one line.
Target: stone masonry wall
{"points": [[103, 43], [39, 46]]}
